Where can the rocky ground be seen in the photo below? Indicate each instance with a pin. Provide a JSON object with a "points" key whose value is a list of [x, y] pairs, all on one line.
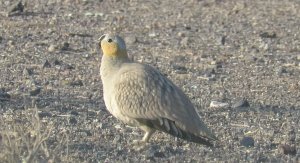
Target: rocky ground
{"points": [[243, 54]]}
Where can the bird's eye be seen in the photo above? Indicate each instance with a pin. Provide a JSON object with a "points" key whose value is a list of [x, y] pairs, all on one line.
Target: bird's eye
{"points": [[110, 40]]}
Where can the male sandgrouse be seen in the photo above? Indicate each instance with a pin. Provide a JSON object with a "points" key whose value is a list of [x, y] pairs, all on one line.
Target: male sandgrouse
{"points": [[141, 96]]}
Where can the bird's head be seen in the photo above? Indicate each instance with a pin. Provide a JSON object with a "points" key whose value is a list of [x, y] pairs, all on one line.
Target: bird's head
{"points": [[112, 45]]}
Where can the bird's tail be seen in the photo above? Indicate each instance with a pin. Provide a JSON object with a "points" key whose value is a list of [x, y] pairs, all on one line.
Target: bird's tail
{"points": [[171, 128]]}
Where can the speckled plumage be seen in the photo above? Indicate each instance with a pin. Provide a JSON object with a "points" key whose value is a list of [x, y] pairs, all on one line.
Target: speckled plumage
{"points": [[141, 96]]}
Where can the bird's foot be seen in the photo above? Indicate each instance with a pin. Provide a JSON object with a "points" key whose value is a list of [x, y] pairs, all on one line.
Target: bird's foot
{"points": [[139, 142], [139, 145]]}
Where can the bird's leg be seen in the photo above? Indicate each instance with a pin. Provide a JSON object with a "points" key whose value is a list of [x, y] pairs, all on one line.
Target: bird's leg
{"points": [[148, 133]]}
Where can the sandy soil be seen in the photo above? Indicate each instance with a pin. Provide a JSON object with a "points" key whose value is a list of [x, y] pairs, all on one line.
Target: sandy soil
{"points": [[215, 50]]}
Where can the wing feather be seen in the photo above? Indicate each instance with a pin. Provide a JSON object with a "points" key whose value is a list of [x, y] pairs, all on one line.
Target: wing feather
{"points": [[141, 92]]}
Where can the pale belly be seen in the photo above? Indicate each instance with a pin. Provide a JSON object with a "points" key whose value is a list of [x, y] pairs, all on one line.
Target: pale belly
{"points": [[112, 107]]}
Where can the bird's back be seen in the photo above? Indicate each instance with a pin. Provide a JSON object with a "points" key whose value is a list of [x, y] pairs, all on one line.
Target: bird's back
{"points": [[143, 93]]}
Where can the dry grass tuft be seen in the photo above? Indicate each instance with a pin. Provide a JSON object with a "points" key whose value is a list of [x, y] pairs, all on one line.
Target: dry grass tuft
{"points": [[26, 138]]}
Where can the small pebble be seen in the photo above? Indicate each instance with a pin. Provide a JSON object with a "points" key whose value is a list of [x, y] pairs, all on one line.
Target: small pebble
{"points": [[151, 152], [130, 40], [209, 77], [188, 27], [86, 55], [118, 126], [73, 120], [68, 67], [44, 114], [16, 8], [216, 104], [11, 43], [76, 83], [247, 141], [52, 48], [46, 64], [180, 34], [117, 139], [4, 96], [65, 46], [28, 71], [152, 34], [57, 62], [179, 69], [223, 39], [298, 56], [99, 14], [89, 14], [241, 103], [159, 154], [185, 41], [281, 71], [35, 92], [268, 35], [88, 133], [75, 113], [287, 149]]}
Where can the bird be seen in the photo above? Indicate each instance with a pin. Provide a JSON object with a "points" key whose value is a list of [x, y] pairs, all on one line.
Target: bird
{"points": [[141, 96]]}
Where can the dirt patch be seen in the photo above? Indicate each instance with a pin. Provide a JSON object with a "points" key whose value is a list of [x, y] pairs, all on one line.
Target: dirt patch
{"points": [[216, 50]]}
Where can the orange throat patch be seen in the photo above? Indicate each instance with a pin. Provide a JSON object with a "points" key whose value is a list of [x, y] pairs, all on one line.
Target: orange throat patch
{"points": [[112, 49]]}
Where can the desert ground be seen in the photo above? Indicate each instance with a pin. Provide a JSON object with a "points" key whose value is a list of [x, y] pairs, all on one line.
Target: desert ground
{"points": [[238, 61]]}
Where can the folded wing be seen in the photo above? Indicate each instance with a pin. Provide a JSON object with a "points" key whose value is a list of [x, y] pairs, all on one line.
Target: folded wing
{"points": [[146, 95]]}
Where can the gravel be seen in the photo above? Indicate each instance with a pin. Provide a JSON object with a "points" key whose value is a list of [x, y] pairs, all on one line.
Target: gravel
{"points": [[50, 60]]}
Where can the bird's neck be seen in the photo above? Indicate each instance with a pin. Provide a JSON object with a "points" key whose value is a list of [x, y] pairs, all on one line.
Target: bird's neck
{"points": [[111, 64], [114, 61]]}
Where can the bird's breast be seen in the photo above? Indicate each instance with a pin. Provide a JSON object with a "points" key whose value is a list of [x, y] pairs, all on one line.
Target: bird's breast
{"points": [[113, 108]]}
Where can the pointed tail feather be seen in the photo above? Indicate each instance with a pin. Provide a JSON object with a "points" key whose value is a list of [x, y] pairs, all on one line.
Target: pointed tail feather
{"points": [[169, 127]]}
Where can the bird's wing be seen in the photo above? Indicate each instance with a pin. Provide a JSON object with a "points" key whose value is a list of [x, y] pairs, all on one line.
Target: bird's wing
{"points": [[143, 93]]}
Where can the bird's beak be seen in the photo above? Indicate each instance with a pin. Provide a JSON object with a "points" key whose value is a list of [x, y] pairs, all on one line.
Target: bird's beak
{"points": [[100, 39]]}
